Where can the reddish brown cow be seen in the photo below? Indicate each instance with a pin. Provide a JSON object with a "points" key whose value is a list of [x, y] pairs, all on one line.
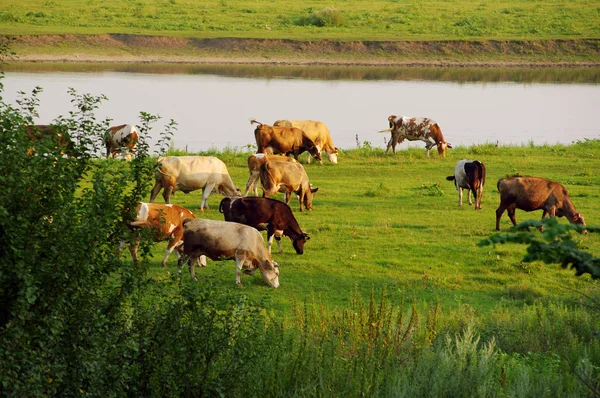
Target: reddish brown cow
{"points": [[286, 140], [164, 222], [258, 212], [534, 193], [121, 139], [40, 132]]}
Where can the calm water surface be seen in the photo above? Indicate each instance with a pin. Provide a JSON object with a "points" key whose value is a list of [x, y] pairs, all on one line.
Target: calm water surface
{"points": [[213, 106]]}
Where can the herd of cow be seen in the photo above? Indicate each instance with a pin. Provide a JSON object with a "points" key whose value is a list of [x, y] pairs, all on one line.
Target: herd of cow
{"points": [[238, 236]]}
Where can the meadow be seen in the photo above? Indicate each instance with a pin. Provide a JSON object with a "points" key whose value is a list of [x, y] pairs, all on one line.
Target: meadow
{"points": [[383, 221], [308, 20]]}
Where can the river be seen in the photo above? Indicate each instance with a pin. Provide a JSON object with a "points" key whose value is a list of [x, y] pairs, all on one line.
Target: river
{"points": [[213, 105]]}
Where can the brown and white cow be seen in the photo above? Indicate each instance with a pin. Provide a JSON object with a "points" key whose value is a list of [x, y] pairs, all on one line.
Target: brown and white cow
{"points": [[535, 193], [254, 162], [219, 240], [286, 140], [121, 139], [316, 131], [260, 213], [287, 177], [470, 175], [164, 223], [190, 173], [416, 129]]}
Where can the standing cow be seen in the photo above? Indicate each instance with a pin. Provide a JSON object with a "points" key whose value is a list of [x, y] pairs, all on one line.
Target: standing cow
{"points": [[288, 178], [254, 162], [258, 212], [219, 240], [164, 223], [189, 173], [121, 139], [285, 140], [534, 193], [316, 131], [470, 175], [416, 129]]}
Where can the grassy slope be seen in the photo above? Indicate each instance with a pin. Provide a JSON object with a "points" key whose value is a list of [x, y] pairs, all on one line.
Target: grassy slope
{"points": [[383, 221], [350, 20]]}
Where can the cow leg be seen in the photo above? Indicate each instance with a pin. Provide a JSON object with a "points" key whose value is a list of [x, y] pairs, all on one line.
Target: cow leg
{"points": [[239, 264], [252, 184], [469, 197], [269, 241], [278, 234], [155, 190], [499, 212], [191, 263], [205, 193], [460, 194], [133, 249], [173, 244], [168, 189], [511, 214]]}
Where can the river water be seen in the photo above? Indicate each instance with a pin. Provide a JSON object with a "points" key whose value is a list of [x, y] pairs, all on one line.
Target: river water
{"points": [[213, 105]]}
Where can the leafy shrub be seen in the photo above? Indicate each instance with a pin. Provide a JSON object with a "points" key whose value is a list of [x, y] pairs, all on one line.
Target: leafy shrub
{"points": [[328, 17]]}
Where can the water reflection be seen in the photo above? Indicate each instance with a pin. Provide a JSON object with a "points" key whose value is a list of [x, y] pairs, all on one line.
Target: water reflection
{"points": [[493, 75]]}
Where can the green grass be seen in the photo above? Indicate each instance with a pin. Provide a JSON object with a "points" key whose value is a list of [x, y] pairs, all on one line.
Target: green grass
{"points": [[392, 222], [308, 20]]}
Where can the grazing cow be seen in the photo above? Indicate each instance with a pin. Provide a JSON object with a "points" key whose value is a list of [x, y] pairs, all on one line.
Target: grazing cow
{"points": [[229, 240], [121, 139], [316, 131], [287, 177], [256, 212], [41, 132], [470, 175], [164, 222], [534, 193], [416, 129], [254, 162], [189, 173], [286, 140]]}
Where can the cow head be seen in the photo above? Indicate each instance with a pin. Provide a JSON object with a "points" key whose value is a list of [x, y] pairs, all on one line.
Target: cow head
{"points": [[442, 146], [332, 156], [299, 243], [315, 151], [308, 197], [578, 219], [271, 274]]}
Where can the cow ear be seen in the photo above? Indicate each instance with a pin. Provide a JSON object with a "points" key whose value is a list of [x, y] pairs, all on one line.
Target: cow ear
{"points": [[306, 236], [576, 217]]}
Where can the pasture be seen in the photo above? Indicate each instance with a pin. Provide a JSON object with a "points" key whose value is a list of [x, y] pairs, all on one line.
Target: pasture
{"points": [[392, 222]]}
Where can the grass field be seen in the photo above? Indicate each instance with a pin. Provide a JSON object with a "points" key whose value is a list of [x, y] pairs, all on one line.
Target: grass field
{"points": [[392, 222], [308, 20]]}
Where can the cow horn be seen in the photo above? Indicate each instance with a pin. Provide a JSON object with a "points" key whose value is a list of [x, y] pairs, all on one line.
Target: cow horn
{"points": [[386, 130], [252, 121]]}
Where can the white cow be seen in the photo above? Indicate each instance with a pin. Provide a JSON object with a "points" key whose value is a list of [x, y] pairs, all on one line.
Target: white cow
{"points": [[229, 240], [189, 173]]}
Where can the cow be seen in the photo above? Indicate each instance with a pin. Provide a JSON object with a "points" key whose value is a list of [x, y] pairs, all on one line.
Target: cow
{"points": [[416, 129], [254, 162], [470, 175], [164, 223], [535, 193], [189, 173], [286, 140], [121, 139], [316, 131], [41, 132], [219, 240], [287, 177], [258, 212]]}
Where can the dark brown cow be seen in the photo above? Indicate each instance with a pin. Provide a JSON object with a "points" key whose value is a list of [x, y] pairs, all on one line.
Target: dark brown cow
{"points": [[41, 132], [469, 174], [286, 140], [288, 178], [534, 193], [258, 212], [416, 129], [164, 222]]}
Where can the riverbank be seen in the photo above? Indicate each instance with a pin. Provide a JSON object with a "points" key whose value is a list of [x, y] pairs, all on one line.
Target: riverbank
{"points": [[119, 48]]}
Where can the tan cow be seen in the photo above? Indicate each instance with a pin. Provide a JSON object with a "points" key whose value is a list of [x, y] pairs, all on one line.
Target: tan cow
{"points": [[164, 223], [316, 131], [229, 240], [190, 173], [288, 178], [535, 193], [254, 162], [121, 139], [416, 129], [285, 140]]}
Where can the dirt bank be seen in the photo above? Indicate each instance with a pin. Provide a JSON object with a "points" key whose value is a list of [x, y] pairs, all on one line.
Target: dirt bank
{"points": [[161, 49]]}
